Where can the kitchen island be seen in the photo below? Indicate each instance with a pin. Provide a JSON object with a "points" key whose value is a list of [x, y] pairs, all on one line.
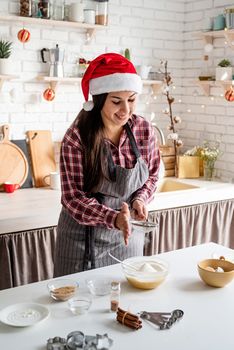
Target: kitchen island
{"points": [[28, 219], [206, 324]]}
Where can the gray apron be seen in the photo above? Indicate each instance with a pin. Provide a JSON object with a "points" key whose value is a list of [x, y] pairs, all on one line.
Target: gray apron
{"points": [[81, 247]]}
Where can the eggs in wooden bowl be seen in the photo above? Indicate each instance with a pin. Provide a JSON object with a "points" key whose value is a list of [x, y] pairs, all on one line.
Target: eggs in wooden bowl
{"points": [[216, 272]]}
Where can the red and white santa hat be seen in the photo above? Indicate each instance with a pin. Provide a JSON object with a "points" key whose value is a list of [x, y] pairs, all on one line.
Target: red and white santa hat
{"points": [[106, 73]]}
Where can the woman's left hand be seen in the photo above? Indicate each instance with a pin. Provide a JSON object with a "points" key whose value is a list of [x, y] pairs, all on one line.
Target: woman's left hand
{"points": [[140, 211]]}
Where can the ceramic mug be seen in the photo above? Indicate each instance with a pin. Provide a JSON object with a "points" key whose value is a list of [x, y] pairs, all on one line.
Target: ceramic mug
{"points": [[9, 187], [76, 12], [54, 180], [219, 22]]}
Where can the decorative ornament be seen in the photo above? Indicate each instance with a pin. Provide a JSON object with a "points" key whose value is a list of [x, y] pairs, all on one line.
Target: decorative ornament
{"points": [[229, 95], [24, 35], [49, 94]]}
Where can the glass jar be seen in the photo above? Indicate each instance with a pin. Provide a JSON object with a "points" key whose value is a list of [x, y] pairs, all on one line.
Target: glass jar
{"points": [[114, 296], [101, 16], [26, 8], [41, 9], [58, 10], [206, 73]]}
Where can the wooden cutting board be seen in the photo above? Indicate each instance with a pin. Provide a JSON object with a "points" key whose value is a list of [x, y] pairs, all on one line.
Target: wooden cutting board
{"points": [[42, 155], [13, 163], [22, 144]]}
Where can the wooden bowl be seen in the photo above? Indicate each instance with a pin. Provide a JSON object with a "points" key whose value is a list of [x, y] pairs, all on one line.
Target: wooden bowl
{"points": [[215, 278]]}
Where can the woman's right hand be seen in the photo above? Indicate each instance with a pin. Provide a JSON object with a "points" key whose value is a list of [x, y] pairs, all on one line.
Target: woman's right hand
{"points": [[122, 222]]}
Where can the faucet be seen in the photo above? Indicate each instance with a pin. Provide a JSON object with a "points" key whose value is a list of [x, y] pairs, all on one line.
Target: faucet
{"points": [[161, 134]]}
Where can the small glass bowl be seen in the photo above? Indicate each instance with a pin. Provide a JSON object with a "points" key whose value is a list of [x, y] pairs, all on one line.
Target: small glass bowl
{"points": [[99, 287], [80, 304], [62, 289]]}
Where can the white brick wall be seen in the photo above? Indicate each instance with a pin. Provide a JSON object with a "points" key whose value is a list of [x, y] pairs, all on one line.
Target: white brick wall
{"points": [[151, 29]]}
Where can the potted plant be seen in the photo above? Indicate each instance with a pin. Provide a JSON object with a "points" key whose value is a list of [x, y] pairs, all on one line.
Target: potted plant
{"points": [[5, 53], [224, 70]]}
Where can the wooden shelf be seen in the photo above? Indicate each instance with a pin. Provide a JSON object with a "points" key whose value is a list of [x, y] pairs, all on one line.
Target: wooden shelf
{"points": [[90, 28], [205, 85], [155, 85], [228, 34], [4, 78], [54, 81]]}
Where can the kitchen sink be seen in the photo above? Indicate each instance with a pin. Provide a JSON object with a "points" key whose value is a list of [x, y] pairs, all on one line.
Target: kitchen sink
{"points": [[168, 185]]}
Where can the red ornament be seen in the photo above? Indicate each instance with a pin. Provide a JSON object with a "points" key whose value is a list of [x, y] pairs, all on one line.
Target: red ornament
{"points": [[24, 35], [229, 95], [49, 94]]}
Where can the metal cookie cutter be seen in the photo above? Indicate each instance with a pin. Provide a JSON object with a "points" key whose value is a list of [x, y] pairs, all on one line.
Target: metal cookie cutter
{"points": [[162, 319], [56, 343], [77, 340]]}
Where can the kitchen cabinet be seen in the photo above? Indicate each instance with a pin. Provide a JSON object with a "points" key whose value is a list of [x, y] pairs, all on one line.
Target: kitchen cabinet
{"points": [[187, 226]]}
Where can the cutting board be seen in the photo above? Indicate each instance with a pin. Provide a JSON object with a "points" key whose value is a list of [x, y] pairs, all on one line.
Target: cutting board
{"points": [[13, 163], [22, 144], [42, 155]]}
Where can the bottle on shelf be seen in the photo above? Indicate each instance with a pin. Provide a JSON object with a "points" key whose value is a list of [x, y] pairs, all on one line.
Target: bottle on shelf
{"points": [[26, 8], [206, 73], [58, 8], [101, 16], [114, 296], [41, 9]]}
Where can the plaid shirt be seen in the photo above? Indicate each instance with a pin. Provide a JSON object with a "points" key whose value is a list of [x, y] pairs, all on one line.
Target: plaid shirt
{"points": [[87, 211]]}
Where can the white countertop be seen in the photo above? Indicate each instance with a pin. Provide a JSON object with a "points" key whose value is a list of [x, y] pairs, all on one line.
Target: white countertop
{"points": [[207, 321], [29, 208], [207, 191], [33, 208]]}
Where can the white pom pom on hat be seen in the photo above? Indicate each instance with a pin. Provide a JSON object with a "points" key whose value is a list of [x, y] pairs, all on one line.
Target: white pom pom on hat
{"points": [[106, 73], [88, 106]]}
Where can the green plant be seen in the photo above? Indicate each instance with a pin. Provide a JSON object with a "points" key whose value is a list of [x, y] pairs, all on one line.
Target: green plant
{"points": [[224, 63], [127, 54], [5, 48]]}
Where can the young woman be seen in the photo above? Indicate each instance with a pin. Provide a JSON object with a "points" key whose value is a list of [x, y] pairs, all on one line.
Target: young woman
{"points": [[109, 170]]}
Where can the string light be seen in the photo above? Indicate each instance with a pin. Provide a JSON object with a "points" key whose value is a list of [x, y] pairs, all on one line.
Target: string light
{"points": [[189, 110], [202, 106]]}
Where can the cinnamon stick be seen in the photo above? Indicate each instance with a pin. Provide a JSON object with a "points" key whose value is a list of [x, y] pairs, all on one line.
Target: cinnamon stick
{"points": [[128, 319]]}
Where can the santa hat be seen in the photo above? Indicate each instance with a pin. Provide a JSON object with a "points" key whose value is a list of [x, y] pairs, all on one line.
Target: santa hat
{"points": [[106, 73]]}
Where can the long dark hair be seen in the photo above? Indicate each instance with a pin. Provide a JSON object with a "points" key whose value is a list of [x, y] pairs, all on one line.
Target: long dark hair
{"points": [[91, 128]]}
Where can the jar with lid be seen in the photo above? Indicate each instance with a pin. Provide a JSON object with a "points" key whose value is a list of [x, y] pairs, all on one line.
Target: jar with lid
{"points": [[115, 296], [101, 16], [26, 8]]}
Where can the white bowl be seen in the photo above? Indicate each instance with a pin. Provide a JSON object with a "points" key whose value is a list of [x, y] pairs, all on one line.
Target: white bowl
{"points": [[150, 271], [62, 289]]}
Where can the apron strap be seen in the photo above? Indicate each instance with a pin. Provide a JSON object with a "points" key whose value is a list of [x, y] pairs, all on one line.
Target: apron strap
{"points": [[111, 164], [132, 140]]}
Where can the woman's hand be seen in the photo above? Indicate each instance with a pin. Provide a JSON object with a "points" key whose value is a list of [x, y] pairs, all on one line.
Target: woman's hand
{"points": [[122, 222], [140, 211]]}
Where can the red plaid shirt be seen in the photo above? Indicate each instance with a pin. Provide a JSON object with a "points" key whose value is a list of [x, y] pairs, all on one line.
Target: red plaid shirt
{"points": [[87, 211]]}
